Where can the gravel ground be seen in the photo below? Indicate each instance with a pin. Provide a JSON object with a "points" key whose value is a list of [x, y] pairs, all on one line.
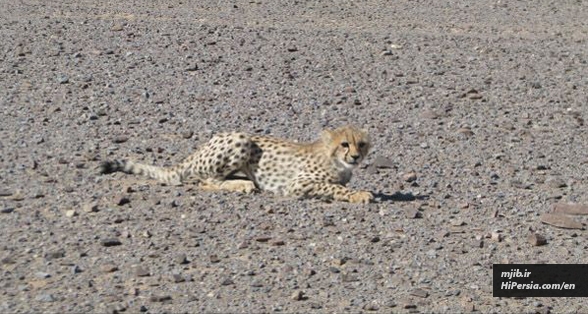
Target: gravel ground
{"points": [[476, 110]]}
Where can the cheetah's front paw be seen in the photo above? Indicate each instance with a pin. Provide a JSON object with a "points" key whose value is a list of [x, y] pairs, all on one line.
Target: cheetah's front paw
{"points": [[363, 197]]}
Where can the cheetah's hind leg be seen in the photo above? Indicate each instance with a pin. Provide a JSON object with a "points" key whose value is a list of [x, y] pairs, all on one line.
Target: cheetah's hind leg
{"points": [[221, 164]]}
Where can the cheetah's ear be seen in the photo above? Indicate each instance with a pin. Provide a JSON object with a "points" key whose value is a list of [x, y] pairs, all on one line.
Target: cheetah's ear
{"points": [[327, 136]]}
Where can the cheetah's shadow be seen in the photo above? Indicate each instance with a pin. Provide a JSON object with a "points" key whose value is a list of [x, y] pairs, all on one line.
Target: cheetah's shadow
{"points": [[399, 197]]}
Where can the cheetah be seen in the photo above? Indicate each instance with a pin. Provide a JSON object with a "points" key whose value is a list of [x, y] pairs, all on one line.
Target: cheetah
{"points": [[240, 162]]}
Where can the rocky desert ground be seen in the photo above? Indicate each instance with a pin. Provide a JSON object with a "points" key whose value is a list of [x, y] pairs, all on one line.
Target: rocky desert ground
{"points": [[476, 110]]}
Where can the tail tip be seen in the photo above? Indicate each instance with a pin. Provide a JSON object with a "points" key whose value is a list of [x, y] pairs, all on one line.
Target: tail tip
{"points": [[107, 167]]}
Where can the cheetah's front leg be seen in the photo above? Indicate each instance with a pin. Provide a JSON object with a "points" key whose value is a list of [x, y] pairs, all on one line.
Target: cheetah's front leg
{"points": [[329, 190]]}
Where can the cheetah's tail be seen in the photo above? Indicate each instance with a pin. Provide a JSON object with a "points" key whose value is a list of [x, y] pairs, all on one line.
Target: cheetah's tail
{"points": [[170, 176]]}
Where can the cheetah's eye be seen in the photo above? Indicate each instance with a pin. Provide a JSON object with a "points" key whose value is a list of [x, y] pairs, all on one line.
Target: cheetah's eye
{"points": [[361, 144], [345, 145]]}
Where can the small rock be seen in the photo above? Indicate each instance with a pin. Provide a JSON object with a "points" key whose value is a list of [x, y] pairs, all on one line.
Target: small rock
{"points": [[181, 258], [298, 295], [120, 139], [45, 297], [409, 177], [141, 271], [7, 210], [263, 238], [178, 278], [143, 308], [457, 223], [108, 268], [429, 114], [54, 255], [70, 213], [465, 133], [349, 277], [383, 162], [110, 242], [214, 258], [559, 220], [122, 200], [371, 307], [90, 208], [419, 293], [556, 182], [5, 192], [412, 213], [117, 27], [571, 209], [42, 275], [536, 239], [278, 242], [75, 269], [387, 53], [160, 298], [187, 134], [63, 79], [8, 260], [424, 145], [292, 48], [227, 282], [495, 236]]}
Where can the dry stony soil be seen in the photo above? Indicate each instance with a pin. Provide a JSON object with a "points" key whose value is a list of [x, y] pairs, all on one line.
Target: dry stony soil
{"points": [[476, 111]]}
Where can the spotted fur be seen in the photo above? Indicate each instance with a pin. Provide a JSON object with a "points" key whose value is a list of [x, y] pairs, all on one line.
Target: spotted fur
{"points": [[241, 162]]}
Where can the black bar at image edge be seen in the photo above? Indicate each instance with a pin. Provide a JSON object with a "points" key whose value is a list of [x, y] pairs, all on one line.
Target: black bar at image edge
{"points": [[540, 280]]}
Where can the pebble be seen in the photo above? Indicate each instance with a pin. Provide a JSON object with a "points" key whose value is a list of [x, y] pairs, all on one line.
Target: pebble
{"points": [[70, 213], [90, 208], [465, 133], [117, 27], [570, 209], [45, 297], [110, 242], [419, 293], [176, 278], [5, 192], [122, 200], [181, 258], [383, 162], [227, 282], [160, 298], [7, 210], [556, 182], [298, 295], [409, 177], [495, 236], [63, 79], [559, 220], [536, 239], [120, 139], [214, 258], [412, 213], [54, 255], [187, 134], [141, 271], [429, 114], [371, 307], [42, 275], [108, 268]]}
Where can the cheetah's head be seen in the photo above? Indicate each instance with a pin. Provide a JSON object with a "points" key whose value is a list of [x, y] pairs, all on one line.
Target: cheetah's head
{"points": [[348, 145]]}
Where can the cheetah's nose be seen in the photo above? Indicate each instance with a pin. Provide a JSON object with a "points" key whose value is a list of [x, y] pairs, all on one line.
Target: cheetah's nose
{"points": [[355, 157]]}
